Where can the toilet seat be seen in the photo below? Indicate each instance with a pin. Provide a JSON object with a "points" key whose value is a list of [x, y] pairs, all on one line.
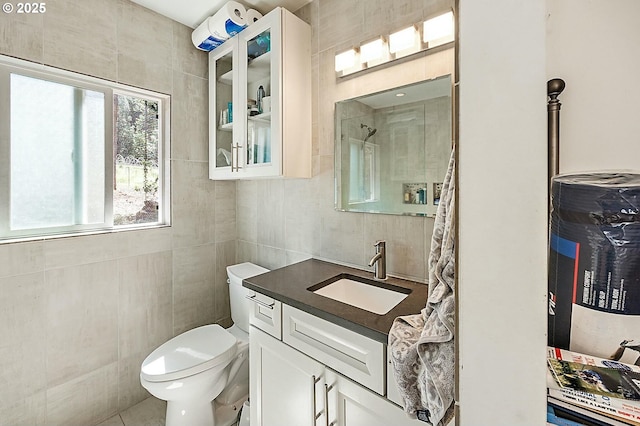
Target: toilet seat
{"points": [[189, 353]]}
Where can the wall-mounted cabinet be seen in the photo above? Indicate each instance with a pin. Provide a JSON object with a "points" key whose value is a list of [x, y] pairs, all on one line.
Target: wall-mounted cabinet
{"points": [[260, 101]]}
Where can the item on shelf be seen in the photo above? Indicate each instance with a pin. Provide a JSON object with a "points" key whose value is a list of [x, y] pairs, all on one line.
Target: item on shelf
{"points": [[259, 46], [590, 382], [266, 104], [260, 95], [562, 413], [215, 30], [252, 16], [594, 263]]}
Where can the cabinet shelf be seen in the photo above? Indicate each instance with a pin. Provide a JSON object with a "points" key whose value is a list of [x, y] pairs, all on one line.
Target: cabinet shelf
{"points": [[265, 117], [257, 69], [226, 78], [227, 127]]}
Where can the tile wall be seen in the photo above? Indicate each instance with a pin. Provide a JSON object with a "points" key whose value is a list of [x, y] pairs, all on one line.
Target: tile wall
{"points": [[78, 315], [284, 221]]}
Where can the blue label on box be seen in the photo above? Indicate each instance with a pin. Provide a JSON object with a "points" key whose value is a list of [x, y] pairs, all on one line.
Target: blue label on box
{"points": [[210, 43], [232, 28]]}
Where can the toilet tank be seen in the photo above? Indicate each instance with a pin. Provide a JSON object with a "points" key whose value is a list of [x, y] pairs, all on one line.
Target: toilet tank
{"points": [[240, 305]]}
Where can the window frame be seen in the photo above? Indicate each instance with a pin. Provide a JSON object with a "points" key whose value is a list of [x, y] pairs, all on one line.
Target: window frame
{"points": [[10, 66]]}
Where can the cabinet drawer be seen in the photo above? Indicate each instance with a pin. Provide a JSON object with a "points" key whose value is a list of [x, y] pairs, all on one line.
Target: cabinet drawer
{"points": [[350, 353], [265, 313]]}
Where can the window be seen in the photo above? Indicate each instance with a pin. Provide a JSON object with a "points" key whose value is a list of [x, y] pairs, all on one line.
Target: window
{"points": [[364, 179], [78, 154]]}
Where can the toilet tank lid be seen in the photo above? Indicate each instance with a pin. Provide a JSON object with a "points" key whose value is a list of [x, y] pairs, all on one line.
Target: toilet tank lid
{"points": [[189, 353], [245, 270]]}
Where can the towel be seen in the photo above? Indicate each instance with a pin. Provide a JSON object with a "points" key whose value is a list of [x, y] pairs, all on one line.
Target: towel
{"points": [[422, 345]]}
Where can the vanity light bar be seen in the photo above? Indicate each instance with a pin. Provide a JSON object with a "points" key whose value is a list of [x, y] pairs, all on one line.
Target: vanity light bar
{"points": [[404, 40], [438, 30], [372, 51], [346, 60], [431, 33]]}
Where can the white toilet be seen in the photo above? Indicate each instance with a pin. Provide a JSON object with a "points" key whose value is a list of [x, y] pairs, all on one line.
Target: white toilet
{"points": [[203, 373]]}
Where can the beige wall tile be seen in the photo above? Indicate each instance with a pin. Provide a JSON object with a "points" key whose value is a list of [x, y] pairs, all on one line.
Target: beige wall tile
{"points": [[381, 19], [21, 35], [136, 72], [81, 320], [80, 250], [270, 257], [301, 220], [270, 199], [339, 21], [406, 243], [145, 42], [144, 34], [130, 391], [150, 412], [145, 318], [342, 237], [21, 258], [292, 257], [22, 348], [186, 58], [27, 411], [189, 124], [225, 214], [137, 242], [247, 251], [247, 210], [193, 204], [86, 400], [194, 275], [80, 35], [225, 256], [309, 14]]}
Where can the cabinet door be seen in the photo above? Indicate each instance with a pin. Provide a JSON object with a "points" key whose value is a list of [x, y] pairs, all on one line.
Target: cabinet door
{"points": [[222, 99], [286, 386], [350, 404], [260, 74]]}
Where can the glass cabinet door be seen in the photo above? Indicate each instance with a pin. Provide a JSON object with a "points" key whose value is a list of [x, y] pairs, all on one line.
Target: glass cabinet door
{"points": [[222, 158], [260, 88]]}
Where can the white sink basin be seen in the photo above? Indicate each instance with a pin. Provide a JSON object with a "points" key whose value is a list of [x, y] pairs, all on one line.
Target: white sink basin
{"points": [[361, 295]]}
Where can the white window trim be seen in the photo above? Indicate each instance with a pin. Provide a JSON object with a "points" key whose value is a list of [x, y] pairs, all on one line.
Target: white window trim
{"points": [[10, 65]]}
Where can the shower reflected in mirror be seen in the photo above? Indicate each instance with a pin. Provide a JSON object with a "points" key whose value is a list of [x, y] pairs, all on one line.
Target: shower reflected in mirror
{"points": [[393, 148]]}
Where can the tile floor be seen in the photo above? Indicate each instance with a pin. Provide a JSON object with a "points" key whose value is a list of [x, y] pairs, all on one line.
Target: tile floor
{"points": [[149, 412]]}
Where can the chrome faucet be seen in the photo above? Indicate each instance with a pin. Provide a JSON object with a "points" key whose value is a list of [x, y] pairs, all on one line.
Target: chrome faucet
{"points": [[379, 261]]}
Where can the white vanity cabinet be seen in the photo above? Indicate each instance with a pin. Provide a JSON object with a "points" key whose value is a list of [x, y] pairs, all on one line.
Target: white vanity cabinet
{"points": [[250, 137], [305, 370], [287, 387], [349, 404]]}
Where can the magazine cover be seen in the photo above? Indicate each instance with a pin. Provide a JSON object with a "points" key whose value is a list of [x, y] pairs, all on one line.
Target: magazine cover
{"points": [[610, 382], [627, 411], [611, 362]]}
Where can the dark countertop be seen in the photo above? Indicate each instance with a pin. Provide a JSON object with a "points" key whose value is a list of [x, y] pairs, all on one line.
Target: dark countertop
{"points": [[290, 285]]}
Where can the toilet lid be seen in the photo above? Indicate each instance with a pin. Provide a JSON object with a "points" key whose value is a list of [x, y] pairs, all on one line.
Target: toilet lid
{"points": [[189, 353]]}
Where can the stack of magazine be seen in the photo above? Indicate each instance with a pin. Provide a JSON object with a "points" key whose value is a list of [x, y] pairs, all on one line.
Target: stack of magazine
{"points": [[587, 390]]}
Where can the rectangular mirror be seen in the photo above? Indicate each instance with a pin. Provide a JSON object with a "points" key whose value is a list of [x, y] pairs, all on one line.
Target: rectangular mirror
{"points": [[392, 149]]}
